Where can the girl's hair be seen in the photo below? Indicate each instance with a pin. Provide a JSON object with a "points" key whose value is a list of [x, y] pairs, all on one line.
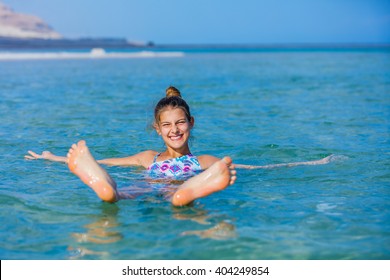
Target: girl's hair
{"points": [[172, 99]]}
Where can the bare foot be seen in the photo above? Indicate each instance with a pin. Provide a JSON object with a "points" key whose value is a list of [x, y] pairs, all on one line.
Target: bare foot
{"points": [[84, 166], [216, 178]]}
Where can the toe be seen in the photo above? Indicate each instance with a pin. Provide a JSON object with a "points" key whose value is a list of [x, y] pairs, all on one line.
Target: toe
{"points": [[81, 143], [227, 160]]}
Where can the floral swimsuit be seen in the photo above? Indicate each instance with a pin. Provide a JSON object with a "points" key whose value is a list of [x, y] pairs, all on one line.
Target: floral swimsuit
{"points": [[175, 168]]}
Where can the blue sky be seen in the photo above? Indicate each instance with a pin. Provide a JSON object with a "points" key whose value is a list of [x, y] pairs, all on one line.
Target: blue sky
{"points": [[217, 21]]}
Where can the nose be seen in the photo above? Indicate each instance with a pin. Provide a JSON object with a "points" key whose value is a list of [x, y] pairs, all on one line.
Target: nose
{"points": [[175, 129]]}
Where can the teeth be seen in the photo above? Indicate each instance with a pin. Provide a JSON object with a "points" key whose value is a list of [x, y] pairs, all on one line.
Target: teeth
{"points": [[175, 137]]}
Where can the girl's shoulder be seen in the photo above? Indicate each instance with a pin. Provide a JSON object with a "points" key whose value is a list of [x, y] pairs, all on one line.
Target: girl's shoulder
{"points": [[146, 157], [206, 161]]}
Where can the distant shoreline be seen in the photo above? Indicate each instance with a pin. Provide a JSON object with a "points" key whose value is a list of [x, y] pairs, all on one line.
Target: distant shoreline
{"points": [[119, 43], [275, 47], [11, 43]]}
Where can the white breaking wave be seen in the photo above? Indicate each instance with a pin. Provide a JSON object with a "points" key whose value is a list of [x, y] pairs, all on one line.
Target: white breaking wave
{"points": [[93, 54]]}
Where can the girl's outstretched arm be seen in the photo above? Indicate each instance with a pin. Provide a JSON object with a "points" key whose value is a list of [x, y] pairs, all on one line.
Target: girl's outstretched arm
{"points": [[325, 160], [45, 155], [142, 159]]}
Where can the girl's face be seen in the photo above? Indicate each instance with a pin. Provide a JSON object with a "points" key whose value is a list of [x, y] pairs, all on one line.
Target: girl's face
{"points": [[174, 128]]}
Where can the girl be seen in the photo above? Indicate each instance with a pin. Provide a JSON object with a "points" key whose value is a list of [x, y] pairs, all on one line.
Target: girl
{"points": [[173, 122]]}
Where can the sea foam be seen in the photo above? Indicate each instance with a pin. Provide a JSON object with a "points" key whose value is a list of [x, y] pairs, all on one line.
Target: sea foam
{"points": [[96, 53]]}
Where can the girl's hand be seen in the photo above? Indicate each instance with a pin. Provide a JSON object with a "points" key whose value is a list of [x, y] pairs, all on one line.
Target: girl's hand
{"points": [[45, 155]]}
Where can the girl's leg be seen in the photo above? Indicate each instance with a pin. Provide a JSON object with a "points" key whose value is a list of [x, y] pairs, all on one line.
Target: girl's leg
{"points": [[84, 166], [216, 178]]}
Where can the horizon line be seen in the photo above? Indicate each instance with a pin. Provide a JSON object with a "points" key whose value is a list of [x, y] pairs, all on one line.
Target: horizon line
{"points": [[142, 42]]}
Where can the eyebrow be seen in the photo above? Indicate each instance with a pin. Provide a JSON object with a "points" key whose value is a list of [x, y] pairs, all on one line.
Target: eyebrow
{"points": [[179, 120]]}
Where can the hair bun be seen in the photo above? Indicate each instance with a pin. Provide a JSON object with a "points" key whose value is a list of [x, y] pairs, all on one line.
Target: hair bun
{"points": [[172, 91]]}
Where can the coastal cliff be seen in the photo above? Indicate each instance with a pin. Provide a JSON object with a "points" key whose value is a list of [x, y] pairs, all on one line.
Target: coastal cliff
{"points": [[21, 31], [17, 25]]}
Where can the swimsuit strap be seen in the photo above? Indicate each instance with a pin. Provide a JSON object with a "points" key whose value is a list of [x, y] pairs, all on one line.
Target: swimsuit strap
{"points": [[155, 157]]}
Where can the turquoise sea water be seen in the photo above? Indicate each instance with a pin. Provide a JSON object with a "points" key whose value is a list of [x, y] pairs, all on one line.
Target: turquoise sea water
{"points": [[259, 107]]}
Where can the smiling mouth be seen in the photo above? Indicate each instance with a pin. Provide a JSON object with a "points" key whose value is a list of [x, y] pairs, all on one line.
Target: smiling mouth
{"points": [[176, 138]]}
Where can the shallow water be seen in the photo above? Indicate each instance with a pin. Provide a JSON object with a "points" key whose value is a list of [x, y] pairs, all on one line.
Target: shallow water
{"points": [[258, 107]]}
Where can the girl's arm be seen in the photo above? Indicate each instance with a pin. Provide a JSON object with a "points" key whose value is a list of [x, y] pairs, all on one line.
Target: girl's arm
{"points": [[143, 158], [291, 164], [206, 161]]}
